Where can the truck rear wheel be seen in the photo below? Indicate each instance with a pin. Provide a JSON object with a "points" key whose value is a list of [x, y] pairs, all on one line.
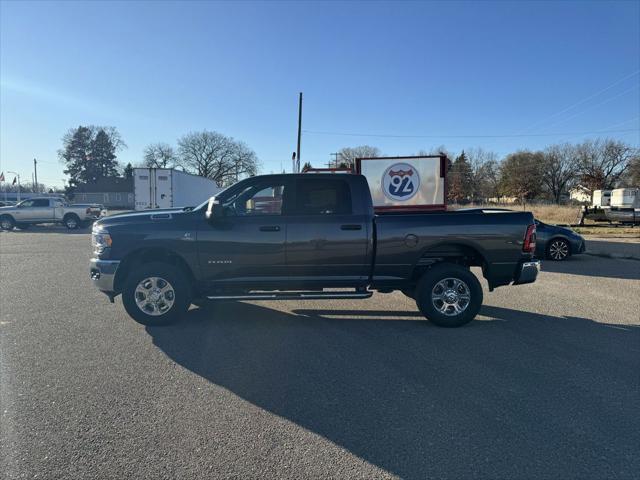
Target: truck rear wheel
{"points": [[449, 295], [71, 221], [7, 222], [156, 294]]}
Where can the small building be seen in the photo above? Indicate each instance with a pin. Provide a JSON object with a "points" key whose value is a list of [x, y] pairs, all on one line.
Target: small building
{"points": [[581, 194], [112, 192]]}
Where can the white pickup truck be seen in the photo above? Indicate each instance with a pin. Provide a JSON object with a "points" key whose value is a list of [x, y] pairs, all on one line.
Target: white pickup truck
{"points": [[47, 210]]}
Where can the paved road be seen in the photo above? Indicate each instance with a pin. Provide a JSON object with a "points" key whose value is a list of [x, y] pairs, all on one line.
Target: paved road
{"points": [[544, 385]]}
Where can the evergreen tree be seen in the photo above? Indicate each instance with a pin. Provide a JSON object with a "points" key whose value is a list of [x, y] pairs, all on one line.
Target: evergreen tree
{"points": [[103, 156], [127, 172], [460, 184], [90, 153], [76, 154]]}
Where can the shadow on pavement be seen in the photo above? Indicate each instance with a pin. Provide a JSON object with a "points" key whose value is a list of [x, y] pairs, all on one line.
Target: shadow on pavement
{"points": [[595, 266], [49, 228], [519, 395]]}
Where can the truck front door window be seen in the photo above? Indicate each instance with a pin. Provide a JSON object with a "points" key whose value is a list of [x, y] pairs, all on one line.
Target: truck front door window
{"points": [[256, 200]]}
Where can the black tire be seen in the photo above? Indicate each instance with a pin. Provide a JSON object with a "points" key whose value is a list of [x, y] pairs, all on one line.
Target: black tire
{"points": [[558, 249], [179, 284], [71, 221], [7, 222], [445, 315]]}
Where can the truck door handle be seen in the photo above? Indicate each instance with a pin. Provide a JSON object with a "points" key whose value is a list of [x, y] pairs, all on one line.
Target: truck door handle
{"points": [[350, 227], [270, 228]]}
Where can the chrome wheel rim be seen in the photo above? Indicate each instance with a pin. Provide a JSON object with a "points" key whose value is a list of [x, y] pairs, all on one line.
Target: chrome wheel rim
{"points": [[71, 223], [154, 296], [558, 250], [5, 224], [450, 296]]}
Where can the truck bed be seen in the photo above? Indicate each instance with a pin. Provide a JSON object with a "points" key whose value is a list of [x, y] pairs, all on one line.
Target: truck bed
{"points": [[493, 239]]}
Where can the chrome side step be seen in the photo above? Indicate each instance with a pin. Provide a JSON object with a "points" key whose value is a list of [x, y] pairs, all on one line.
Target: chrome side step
{"points": [[295, 296]]}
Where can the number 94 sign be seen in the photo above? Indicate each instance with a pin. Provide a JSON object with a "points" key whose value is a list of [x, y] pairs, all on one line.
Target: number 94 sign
{"points": [[400, 182]]}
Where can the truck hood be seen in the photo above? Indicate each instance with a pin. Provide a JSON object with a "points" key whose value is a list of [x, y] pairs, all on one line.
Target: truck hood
{"points": [[139, 217]]}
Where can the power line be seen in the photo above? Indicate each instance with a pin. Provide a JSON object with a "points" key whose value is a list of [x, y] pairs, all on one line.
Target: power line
{"points": [[626, 121], [594, 106], [386, 135], [586, 99]]}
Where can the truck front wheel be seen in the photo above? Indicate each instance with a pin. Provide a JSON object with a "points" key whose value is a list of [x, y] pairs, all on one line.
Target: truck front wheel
{"points": [[449, 295], [156, 294]]}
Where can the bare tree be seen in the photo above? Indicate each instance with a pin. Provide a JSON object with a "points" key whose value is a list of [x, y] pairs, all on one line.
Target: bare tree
{"points": [[559, 169], [632, 178], [348, 155], [602, 163], [159, 155], [245, 162], [483, 165], [216, 156], [491, 179]]}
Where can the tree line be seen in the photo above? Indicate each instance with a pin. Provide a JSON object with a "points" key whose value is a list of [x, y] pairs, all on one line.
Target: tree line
{"points": [[477, 175], [474, 175], [90, 153]]}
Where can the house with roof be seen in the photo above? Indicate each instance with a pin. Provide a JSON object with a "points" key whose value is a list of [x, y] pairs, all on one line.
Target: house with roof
{"points": [[112, 192]]}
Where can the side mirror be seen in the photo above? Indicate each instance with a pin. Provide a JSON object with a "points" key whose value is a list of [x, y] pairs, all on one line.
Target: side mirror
{"points": [[214, 209]]}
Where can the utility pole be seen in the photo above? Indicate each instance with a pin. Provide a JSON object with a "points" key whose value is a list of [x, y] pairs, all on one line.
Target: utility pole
{"points": [[335, 159], [35, 172], [297, 170]]}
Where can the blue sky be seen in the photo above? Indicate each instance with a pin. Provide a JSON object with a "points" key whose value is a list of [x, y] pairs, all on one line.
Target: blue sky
{"points": [[157, 70]]}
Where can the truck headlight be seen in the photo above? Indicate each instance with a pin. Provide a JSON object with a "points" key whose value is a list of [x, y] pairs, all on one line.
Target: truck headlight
{"points": [[100, 239]]}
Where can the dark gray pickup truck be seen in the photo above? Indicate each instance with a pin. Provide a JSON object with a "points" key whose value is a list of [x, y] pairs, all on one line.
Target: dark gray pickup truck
{"points": [[307, 236]]}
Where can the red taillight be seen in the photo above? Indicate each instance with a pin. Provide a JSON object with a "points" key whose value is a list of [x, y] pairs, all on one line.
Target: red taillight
{"points": [[529, 245]]}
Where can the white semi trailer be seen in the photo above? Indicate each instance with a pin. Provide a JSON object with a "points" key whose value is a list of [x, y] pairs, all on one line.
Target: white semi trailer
{"points": [[170, 188]]}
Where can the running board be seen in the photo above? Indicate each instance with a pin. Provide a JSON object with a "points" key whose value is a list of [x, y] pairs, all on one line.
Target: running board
{"points": [[294, 296]]}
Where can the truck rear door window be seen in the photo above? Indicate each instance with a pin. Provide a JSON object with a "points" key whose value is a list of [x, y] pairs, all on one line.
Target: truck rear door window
{"points": [[319, 196]]}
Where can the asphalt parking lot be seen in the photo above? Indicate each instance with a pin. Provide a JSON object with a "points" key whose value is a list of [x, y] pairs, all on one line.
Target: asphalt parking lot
{"points": [[545, 384]]}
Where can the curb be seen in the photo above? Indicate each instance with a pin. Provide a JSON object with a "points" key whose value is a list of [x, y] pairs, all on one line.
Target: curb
{"points": [[618, 256]]}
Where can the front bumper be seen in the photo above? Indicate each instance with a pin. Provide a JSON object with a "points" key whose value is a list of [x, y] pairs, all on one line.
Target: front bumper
{"points": [[103, 274], [527, 272]]}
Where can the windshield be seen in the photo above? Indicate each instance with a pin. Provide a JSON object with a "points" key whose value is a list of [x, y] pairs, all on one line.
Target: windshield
{"points": [[220, 194]]}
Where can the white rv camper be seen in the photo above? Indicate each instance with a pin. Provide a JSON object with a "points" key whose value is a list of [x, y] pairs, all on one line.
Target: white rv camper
{"points": [[625, 205], [601, 198]]}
